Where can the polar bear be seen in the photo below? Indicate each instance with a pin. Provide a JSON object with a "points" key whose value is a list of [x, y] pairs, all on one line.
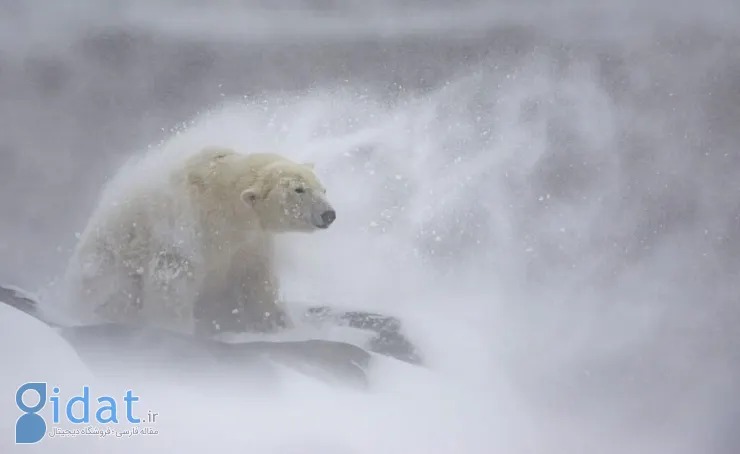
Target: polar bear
{"points": [[194, 251]]}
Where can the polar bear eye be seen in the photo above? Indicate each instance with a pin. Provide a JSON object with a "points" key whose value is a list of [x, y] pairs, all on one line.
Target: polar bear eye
{"points": [[300, 190]]}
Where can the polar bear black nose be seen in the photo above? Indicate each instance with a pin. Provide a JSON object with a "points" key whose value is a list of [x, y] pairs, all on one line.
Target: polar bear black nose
{"points": [[327, 217]]}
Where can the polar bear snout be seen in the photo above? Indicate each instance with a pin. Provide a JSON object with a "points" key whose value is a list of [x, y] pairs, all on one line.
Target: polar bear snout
{"points": [[322, 213], [327, 217]]}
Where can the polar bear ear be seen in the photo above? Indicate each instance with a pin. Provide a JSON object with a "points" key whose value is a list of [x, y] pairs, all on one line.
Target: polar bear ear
{"points": [[249, 196], [310, 165]]}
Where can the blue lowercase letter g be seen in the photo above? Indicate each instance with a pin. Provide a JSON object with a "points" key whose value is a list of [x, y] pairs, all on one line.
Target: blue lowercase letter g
{"points": [[30, 427]]}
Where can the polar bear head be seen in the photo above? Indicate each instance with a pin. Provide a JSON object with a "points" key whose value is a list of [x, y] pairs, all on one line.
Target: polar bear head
{"points": [[287, 196]]}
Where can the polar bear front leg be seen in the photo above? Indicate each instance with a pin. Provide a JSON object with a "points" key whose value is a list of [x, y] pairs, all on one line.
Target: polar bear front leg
{"points": [[243, 298]]}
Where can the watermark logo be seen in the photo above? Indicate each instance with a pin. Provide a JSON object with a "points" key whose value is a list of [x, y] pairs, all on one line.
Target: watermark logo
{"points": [[31, 427]]}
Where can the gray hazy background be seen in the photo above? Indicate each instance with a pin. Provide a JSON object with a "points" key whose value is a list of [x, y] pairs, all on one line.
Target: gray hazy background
{"points": [[623, 220]]}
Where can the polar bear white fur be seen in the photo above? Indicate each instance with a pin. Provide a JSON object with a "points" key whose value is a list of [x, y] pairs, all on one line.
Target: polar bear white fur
{"points": [[195, 252]]}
